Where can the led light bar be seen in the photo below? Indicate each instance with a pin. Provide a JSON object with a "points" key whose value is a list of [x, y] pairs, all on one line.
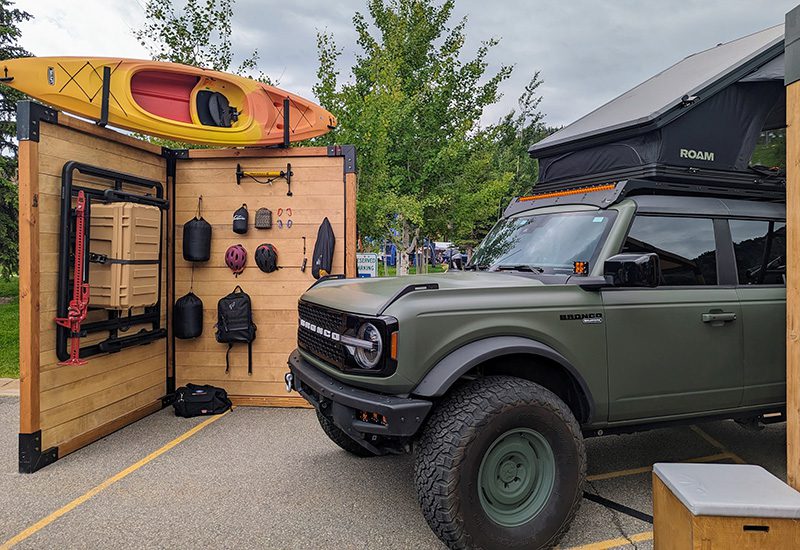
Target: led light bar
{"points": [[577, 191]]}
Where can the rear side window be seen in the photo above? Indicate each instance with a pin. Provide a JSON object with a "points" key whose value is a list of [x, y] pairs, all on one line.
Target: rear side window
{"points": [[685, 246], [760, 250]]}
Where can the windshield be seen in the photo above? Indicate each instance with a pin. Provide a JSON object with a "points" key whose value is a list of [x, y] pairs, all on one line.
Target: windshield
{"points": [[544, 243]]}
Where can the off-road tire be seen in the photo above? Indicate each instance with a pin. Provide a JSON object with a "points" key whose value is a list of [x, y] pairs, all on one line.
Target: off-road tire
{"points": [[342, 439], [462, 429]]}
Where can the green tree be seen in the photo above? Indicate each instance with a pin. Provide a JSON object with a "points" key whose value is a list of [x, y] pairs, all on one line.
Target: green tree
{"points": [[10, 18], [498, 168], [199, 34], [411, 108]]}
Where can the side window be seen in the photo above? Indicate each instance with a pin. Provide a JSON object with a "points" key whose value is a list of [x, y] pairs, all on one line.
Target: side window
{"points": [[760, 249], [685, 246]]}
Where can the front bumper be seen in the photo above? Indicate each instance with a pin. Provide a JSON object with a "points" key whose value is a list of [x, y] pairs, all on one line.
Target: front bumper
{"points": [[343, 404]]}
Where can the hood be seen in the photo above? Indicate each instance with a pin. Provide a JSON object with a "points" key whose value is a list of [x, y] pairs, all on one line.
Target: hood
{"points": [[372, 296]]}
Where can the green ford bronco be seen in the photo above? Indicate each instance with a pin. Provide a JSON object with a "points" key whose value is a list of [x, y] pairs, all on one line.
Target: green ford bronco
{"points": [[604, 309]]}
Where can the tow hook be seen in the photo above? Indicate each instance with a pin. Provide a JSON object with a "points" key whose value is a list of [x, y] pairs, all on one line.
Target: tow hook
{"points": [[289, 379]]}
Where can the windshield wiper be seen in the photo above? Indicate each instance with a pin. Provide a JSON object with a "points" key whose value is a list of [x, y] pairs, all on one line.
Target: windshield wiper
{"points": [[479, 267], [518, 267]]}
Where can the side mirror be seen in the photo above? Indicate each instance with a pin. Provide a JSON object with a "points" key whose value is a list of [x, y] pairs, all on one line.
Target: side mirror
{"points": [[635, 270]]}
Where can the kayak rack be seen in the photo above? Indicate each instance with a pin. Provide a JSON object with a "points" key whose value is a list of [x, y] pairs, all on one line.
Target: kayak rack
{"points": [[115, 323], [104, 95]]}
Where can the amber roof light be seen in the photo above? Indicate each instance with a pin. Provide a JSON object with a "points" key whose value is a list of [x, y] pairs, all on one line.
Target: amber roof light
{"points": [[578, 191]]}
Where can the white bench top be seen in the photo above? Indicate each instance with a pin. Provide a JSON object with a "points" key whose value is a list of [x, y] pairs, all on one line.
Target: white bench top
{"points": [[740, 490]]}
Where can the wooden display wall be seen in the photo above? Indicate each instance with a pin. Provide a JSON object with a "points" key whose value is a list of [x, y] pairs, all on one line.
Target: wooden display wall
{"points": [[322, 186], [63, 408]]}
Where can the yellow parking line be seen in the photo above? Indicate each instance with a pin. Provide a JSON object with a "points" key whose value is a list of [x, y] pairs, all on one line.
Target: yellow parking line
{"points": [[44, 522], [645, 469], [613, 543], [736, 458]]}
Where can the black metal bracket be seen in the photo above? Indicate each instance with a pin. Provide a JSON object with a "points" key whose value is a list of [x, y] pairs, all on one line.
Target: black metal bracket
{"points": [[104, 96], [168, 399], [31, 456], [29, 115], [115, 323], [349, 154]]}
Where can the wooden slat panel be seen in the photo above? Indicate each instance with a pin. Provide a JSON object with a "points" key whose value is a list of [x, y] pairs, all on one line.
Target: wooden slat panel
{"points": [[81, 403], [257, 153], [63, 434], [73, 391], [90, 402], [29, 286], [793, 284], [318, 187]]}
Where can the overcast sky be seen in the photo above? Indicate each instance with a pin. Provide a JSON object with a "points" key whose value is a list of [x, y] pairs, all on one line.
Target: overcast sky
{"points": [[588, 52]]}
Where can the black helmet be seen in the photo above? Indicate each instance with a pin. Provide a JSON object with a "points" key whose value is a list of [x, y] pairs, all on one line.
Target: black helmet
{"points": [[267, 258]]}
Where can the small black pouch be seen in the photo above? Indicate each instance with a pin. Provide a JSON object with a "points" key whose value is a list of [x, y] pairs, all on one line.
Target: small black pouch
{"points": [[241, 219], [193, 400]]}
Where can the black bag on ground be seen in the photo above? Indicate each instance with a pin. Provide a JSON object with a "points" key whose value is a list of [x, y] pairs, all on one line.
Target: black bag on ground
{"points": [[193, 400], [241, 219], [235, 324], [322, 259], [197, 237], [187, 318]]}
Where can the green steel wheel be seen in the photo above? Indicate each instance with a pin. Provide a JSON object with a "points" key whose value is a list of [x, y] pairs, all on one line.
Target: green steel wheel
{"points": [[516, 476], [500, 463]]}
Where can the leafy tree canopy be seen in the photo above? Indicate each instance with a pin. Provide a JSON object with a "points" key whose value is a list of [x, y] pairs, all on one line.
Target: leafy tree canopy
{"points": [[10, 18], [412, 105]]}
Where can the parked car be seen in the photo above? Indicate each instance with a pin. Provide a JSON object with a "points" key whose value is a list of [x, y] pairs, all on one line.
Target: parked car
{"points": [[609, 314]]}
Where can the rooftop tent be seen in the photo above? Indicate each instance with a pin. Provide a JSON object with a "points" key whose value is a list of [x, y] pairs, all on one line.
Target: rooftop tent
{"points": [[705, 112]]}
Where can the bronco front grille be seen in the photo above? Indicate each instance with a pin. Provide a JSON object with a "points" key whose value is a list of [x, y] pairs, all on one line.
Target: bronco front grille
{"points": [[317, 344]]}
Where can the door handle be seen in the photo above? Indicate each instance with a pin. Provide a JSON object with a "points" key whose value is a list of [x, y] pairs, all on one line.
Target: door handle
{"points": [[717, 319]]}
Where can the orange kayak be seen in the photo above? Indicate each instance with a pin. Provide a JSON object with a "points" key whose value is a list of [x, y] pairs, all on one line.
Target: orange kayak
{"points": [[169, 100]]}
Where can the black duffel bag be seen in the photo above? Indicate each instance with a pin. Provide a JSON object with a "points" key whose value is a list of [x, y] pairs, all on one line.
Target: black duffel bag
{"points": [[193, 400], [188, 317], [197, 237]]}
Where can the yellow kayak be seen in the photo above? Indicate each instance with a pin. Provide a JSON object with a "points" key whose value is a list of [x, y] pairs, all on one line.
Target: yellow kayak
{"points": [[169, 100]]}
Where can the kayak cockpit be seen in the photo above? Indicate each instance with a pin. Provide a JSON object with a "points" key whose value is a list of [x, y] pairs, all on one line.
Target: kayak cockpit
{"points": [[185, 98]]}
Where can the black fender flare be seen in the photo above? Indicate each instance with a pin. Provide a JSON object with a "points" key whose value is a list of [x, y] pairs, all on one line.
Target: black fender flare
{"points": [[460, 361]]}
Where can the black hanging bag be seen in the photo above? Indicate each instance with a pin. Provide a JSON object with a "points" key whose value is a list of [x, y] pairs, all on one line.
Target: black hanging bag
{"points": [[241, 219], [322, 260], [187, 318], [197, 237], [235, 324], [193, 400]]}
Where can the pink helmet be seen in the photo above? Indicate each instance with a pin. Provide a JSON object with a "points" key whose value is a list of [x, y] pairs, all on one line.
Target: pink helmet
{"points": [[236, 258]]}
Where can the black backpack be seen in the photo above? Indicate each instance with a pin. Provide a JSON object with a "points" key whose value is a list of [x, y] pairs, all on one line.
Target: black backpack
{"points": [[235, 324], [193, 400]]}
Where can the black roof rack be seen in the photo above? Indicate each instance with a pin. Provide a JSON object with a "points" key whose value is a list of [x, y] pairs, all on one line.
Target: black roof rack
{"points": [[605, 189]]}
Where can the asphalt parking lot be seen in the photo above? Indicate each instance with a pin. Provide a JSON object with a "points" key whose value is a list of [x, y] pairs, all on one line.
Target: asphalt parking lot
{"points": [[269, 478]]}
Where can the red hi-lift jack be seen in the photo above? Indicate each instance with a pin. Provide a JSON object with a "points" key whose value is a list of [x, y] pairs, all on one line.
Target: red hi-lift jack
{"points": [[79, 304]]}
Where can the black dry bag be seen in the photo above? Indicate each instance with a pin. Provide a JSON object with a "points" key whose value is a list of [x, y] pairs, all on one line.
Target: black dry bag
{"points": [[322, 259], [187, 319], [193, 400], [241, 218], [197, 237], [235, 324]]}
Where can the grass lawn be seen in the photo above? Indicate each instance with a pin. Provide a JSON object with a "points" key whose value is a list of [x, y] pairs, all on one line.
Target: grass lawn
{"points": [[9, 329]]}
